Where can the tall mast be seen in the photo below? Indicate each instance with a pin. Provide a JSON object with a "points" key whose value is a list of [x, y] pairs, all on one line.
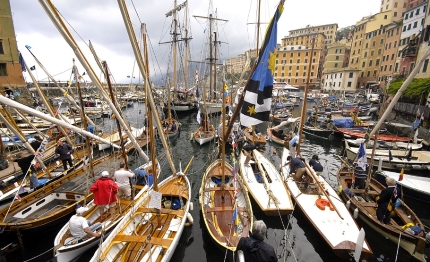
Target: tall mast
{"points": [[258, 28], [175, 40], [84, 121], [142, 69], [214, 65], [302, 119], [149, 112], [186, 47], [210, 58]]}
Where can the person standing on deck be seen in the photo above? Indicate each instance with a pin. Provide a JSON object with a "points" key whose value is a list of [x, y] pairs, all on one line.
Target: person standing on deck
{"points": [[122, 178], [254, 248], [387, 201], [293, 145], [64, 150], [36, 143], [105, 190], [297, 167], [25, 163]]}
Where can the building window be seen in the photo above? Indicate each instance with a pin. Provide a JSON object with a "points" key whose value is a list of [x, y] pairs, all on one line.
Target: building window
{"points": [[290, 68], [295, 80], [426, 63], [365, 54], [377, 62], [303, 80], [291, 61], [416, 23], [404, 28], [367, 45], [349, 84], [395, 14], [298, 61], [297, 67], [335, 64], [371, 53], [297, 73], [409, 27], [304, 73], [337, 57], [298, 54], [368, 73], [284, 55], [406, 16], [370, 62], [282, 74], [3, 71], [363, 65], [351, 75], [306, 54], [362, 74]]}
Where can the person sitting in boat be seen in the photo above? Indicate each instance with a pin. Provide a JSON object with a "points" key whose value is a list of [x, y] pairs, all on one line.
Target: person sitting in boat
{"points": [[173, 127], [316, 165], [297, 167], [254, 248], [81, 228], [387, 200], [247, 151]]}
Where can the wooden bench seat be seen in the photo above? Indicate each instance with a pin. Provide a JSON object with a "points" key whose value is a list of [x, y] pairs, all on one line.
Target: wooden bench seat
{"points": [[367, 204], [226, 188], [164, 242], [362, 191], [227, 208], [162, 211]]}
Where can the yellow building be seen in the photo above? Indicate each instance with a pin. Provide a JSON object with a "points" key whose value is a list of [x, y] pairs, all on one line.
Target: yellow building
{"points": [[10, 68], [292, 64], [337, 55], [367, 47], [328, 30], [305, 40]]}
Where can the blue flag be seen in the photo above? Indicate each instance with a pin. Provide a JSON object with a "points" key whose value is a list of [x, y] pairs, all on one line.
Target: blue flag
{"points": [[21, 62], [362, 159], [258, 96]]}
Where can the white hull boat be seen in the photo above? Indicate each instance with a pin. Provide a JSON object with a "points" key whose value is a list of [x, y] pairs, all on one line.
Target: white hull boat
{"points": [[265, 185]]}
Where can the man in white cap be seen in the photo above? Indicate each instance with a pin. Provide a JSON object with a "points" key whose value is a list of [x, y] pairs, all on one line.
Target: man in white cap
{"points": [[79, 226], [105, 190]]}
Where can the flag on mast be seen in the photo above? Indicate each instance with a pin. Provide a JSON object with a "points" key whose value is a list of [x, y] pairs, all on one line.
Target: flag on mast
{"points": [[362, 159], [258, 96], [401, 174]]}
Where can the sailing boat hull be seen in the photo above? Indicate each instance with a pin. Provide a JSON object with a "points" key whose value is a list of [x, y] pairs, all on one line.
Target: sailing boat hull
{"points": [[339, 230], [218, 204], [420, 161], [366, 208], [269, 192], [183, 108], [212, 108], [141, 219]]}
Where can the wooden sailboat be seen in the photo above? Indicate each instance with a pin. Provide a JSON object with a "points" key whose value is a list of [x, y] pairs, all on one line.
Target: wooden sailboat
{"points": [[265, 184], [206, 132], [170, 124], [68, 247], [252, 136], [151, 230], [223, 198], [320, 204], [362, 201], [361, 197], [183, 99]]}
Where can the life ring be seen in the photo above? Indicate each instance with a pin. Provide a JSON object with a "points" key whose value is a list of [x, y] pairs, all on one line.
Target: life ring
{"points": [[407, 226], [322, 203]]}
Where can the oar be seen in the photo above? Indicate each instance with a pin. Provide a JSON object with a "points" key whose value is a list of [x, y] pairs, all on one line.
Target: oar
{"points": [[322, 188], [189, 164]]}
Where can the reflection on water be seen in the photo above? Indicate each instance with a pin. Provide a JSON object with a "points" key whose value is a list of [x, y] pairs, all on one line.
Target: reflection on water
{"points": [[294, 239]]}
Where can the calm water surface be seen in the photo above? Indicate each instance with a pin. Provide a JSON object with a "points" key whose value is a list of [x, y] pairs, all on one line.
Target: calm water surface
{"points": [[293, 237]]}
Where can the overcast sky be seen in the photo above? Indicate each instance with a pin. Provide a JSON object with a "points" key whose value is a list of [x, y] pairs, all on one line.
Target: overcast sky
{"points": [[100, 22]]}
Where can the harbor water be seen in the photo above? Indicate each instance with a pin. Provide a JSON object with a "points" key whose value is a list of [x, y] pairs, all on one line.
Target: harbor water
{"points": [[293, 237]]}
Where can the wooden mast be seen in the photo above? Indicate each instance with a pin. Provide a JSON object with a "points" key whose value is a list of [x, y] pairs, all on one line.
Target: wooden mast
{"points": [[142, 69], [81, 101], [302, 119], [149, 112]]}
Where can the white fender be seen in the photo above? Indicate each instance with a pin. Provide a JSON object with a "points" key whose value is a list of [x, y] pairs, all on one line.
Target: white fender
{"points": [[191, 206], [190, 218]]}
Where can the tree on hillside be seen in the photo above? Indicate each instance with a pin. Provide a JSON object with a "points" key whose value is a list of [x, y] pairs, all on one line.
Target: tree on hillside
{"points": [[418, 88], [344, 32]]}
